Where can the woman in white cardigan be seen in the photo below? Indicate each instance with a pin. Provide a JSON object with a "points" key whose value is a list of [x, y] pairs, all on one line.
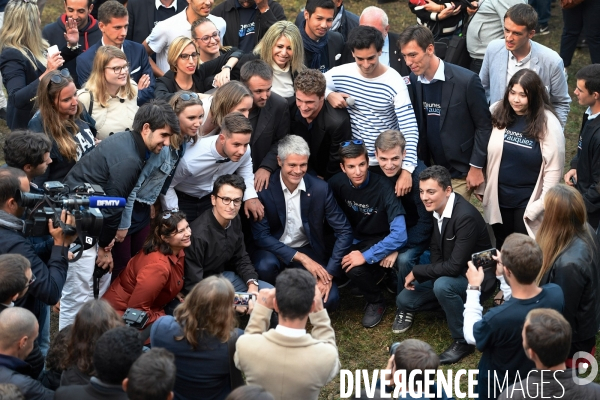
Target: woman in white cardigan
{"points": [[526, 155]]}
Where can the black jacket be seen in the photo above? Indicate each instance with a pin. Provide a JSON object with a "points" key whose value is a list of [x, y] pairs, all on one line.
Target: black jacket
{"points": [[115, 164], [465, 119], [577, 271], [587, 163], [328, 130], [142, 18], [203, 77], [54, 33], [263, 21], [214, 250], [15, 371], [463, 234], [95, 390], [335, 48], [349, 21], [270, 126]]}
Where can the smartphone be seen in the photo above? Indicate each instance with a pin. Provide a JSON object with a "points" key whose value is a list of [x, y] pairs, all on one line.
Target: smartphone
{"points": [[243, 299], [484, 259], [53, 50], [573, 181]]}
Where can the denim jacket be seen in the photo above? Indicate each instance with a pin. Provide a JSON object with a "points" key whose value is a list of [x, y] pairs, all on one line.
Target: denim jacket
{"points": [[150, 183]]}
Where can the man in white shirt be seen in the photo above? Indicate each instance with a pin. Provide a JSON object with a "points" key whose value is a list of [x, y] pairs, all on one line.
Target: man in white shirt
{"points": [[209, 158], [178, 25]]}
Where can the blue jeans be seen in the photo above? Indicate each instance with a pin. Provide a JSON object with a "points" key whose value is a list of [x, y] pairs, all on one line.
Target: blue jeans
{"points": [[542, 7], [239, 285], [268, 266], [44, 330], [405, 262], [449, 292]]}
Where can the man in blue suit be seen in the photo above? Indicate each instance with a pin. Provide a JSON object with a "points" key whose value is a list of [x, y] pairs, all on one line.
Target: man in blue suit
{"points": [[114, 22], [292, 232]]}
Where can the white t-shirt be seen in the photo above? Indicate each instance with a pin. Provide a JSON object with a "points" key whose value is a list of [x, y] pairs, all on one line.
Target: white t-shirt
{"points": [[166, 31]]}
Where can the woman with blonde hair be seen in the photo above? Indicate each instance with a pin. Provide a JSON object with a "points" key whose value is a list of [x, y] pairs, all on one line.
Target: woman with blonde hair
{"points": [[525, 157], [154, 180], [59, 116], [233, 96], [24, 58], [282, 49], [198, 334], [571, 259], [109, 95]]}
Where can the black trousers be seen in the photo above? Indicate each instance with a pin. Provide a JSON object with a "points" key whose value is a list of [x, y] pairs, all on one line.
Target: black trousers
{"points": [[583, 17], [192, 206], [512, 222]]}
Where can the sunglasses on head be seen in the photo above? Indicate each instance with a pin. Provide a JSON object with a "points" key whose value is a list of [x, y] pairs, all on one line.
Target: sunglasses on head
{"points": [[357, 142], [58, 78], [167, 214]]}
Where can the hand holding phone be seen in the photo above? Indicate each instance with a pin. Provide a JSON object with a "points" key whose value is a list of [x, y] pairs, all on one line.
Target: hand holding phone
{"points": [[484, 259]]}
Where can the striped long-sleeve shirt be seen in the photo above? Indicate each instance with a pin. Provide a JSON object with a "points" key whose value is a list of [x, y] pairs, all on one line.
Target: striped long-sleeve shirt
{"points": [[381, 103]]}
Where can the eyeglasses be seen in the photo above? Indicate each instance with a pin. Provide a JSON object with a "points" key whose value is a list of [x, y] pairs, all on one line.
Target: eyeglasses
{"points": [[33, 278], [167, 214], [206, 38], [118, 70], [185, 56], [357, 142], [58, 78], [227, 201]]}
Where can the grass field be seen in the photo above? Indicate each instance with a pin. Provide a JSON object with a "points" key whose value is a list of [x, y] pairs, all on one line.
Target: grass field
{"points": [[362, 348]]}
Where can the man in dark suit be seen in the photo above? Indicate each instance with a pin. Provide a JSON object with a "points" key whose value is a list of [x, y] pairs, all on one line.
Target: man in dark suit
{"points": [[114, 21], [269, 117], [317, 122], [143, 15], [343, 22], [291, 234], [390, 53], [248, 20], [459, 231], [322, 47], [451, 110]]}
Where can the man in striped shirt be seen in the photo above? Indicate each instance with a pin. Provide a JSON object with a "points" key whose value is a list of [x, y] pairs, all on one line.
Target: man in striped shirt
{"points": [[379, 99]]}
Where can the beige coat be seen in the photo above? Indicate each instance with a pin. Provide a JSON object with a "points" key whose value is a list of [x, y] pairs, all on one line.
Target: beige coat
{"points": [[553, 161], [288, 368]]}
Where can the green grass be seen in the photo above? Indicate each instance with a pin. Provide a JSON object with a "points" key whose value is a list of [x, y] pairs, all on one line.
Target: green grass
{"points": [[361, 348]]}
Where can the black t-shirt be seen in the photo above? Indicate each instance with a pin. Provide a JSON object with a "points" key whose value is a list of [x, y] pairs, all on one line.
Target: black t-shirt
{"points": [[371, 208], [247, 28], [498, 336], [520, 166], [432, 109]]}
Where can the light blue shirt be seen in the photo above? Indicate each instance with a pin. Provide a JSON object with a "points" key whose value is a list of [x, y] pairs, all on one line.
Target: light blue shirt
{"points": [[384, 58]]}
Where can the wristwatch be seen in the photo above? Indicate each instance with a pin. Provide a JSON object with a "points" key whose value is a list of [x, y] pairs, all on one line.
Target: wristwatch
{"points": [[225, 66], [253, 281], [478, 288], [74, 47]]}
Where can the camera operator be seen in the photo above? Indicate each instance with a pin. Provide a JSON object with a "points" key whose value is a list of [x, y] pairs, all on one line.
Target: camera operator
{"points": [[49, 277], [115, 165]]}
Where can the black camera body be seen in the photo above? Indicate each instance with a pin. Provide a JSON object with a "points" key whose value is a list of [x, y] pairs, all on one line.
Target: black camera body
{"points": [[58, 197], [135, 318]]}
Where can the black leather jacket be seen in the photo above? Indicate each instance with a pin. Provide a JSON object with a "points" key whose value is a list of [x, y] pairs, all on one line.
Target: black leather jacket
{"points": [[577, 272]]}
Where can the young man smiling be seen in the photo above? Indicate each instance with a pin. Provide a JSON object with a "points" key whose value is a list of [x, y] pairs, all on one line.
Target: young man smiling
{"points": [[459, 231], [316, 121], [322, 48], [225, 153], [377, 219]]}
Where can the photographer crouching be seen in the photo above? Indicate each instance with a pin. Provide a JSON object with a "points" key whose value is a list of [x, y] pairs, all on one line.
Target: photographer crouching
{"points": [[47, 281], [115, 165]]}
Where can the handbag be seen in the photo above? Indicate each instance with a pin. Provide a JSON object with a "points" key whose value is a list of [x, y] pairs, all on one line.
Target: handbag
{"points": [[566, 4]]}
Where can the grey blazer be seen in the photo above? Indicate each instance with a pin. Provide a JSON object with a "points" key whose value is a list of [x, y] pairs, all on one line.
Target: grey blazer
{"points": [[545, 61]]}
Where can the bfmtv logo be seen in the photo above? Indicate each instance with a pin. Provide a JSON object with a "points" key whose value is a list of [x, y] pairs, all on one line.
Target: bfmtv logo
{"points": [[589, 366]]}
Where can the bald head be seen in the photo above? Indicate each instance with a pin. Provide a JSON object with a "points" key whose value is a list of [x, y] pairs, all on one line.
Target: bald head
{"points": [[376, 18], [18, 330]]}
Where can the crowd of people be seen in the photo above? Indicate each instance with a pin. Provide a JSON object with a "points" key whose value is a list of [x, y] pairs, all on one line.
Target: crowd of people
{"points": [[265, 165]]}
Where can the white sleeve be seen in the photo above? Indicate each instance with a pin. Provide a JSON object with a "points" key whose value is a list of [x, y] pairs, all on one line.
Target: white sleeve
{"points": [[245, 171], [157, 40], [330, 84], [407, 123], [506, 290], [170, 200], [473, 313]]}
